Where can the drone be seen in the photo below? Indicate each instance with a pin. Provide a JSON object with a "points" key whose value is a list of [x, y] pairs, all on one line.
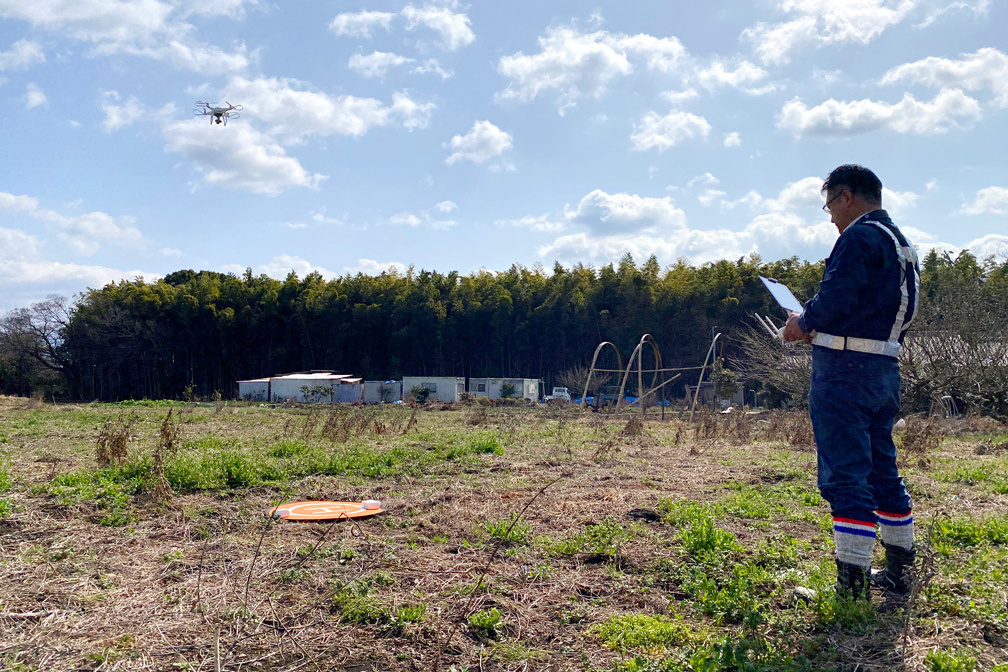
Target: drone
{"points": [[219, 115]]}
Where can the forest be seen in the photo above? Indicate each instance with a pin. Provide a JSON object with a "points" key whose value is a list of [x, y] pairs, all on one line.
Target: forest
{"points": [[192, 334]]}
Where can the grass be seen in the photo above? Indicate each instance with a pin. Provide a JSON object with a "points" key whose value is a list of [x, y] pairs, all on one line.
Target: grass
{"points": [[576, 580]]}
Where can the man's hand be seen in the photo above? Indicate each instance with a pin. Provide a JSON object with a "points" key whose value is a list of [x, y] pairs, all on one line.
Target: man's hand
{"points": [[792, 332]]}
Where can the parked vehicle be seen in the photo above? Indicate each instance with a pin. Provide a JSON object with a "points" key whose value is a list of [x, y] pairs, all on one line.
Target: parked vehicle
{"points": [[560, 394], [607, 397]]}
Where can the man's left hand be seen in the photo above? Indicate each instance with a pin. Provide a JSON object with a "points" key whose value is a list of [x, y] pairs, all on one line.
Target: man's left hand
{"points": [[792, 332]]}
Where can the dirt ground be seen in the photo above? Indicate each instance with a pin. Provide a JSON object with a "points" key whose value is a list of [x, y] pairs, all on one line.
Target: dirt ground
{"points": [[206, 580]]}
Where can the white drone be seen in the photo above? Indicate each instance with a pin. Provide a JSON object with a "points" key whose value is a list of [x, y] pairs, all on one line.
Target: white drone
{"points": [[217, 114]]}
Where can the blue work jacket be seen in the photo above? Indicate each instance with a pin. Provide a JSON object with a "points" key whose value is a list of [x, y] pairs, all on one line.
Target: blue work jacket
{"points": [[870, 283]]}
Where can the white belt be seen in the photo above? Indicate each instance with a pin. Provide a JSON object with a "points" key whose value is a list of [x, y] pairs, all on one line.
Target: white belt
{"points": [[871, 346]]}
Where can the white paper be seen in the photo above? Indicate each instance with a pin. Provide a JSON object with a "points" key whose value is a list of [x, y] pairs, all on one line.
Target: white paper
{"points": [[783, 295]]}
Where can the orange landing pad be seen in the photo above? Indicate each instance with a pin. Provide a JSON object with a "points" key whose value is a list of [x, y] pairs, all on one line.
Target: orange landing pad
{"points": [[325, 510]]}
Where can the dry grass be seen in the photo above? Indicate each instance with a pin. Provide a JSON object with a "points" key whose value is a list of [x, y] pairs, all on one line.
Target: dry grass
{"points": [[212, 583]]}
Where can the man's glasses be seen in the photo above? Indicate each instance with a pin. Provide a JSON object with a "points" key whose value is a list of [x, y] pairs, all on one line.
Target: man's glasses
{"points": [[826, 207]]}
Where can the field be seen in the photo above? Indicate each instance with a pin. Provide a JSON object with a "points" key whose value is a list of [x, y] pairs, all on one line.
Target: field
{"points": [[136, 537]]}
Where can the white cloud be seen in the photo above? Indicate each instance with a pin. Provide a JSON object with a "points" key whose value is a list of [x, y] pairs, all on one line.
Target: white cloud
{"points": [[990, 200], [541, 223], [138, 27], [661, 133], [570, 63], [27, 277], [950, 109], [431, 66], [413, 221], [733, 139], [372, 267], [133, 110], [819, 23], [453, 27], [744, 76], [240, 158], [377, 63], [405, 219], [22, 55], [483, 142], [446, 206], [85, 233], [34, 96], [360, 24], [280, 267], [620, 223], [603, 212], [985, 69], [294, 113]]}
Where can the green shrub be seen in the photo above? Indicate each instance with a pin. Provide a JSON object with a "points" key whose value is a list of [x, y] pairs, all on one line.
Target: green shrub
{"points": [[642, 632], [487, 624], [706, 542], [514, 530], [940, 661]]}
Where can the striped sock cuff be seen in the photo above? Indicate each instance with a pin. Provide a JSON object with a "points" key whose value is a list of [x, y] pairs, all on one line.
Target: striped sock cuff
{"points": [[896, 529], [854, 540]]}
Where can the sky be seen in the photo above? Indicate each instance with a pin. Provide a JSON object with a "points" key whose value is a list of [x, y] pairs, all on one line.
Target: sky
{"points": [[457, 137]]}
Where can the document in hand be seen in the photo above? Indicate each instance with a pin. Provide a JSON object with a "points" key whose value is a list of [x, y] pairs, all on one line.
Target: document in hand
{"points": [[783, 295]]}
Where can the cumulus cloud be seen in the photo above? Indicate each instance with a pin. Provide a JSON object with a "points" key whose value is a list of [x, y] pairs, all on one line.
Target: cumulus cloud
{"points": [[984, 70], [148, 28], [571, 63], [22, 55], [85, 233], [242, 158], [372, 267], [664, 132], [360, 24], [377, 63], [988, 201], [294, 112], [744, 76], [950, 109], [34, 96], [452, 27], [614, 224], [539, 224], [733, 139], [282, 265], [424, 219], [446, 206], [28, 277], [483, 142], [817, 23], [128, 113]]}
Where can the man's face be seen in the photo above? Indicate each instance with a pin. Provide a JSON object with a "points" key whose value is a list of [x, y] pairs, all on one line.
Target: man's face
{"points": [[838, 202]]}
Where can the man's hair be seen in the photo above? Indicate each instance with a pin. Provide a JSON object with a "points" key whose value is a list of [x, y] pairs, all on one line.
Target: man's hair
{"points": [[861, 182]]}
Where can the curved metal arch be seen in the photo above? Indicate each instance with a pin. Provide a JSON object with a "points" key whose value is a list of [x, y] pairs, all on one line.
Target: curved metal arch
{"points": [[591, 371], [639, 355]]}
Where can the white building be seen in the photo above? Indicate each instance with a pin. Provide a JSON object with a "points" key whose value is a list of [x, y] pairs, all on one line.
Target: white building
{"points": [[523, 388], [382, 391], [310, 386], [440, 388]]}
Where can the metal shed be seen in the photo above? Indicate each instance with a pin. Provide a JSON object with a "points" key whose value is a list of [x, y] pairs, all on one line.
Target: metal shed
{"points": [[441, 388], [527, 388]]}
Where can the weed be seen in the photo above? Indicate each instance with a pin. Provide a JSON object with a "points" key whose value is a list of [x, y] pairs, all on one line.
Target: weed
{"points": [[706, 542], [642, 632], [921, 437], [600, 540], [941, 661], [970, 532], [486, 624], [512, 531], [477, 416], [112, 443]]}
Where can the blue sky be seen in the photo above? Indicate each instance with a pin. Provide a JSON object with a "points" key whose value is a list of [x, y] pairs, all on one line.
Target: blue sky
{"points": [[454, 136]]}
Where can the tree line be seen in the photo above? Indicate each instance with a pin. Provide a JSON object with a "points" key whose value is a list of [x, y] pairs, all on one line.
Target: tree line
{"points": [[194, 333]]}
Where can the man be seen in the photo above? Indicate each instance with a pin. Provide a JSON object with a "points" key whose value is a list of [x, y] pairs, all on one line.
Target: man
{"points": [[856, 323]]}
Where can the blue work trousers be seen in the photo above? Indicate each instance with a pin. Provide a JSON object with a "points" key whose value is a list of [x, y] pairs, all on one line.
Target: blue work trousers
{"points": [[853, 400]]}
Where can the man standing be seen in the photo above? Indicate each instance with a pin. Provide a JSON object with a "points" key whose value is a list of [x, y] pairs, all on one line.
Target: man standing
{"points": [[856, 323]]}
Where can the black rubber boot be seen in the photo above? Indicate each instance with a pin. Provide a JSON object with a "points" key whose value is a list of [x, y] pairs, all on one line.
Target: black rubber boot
{"points": [[852, 581], [897, 577]]}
